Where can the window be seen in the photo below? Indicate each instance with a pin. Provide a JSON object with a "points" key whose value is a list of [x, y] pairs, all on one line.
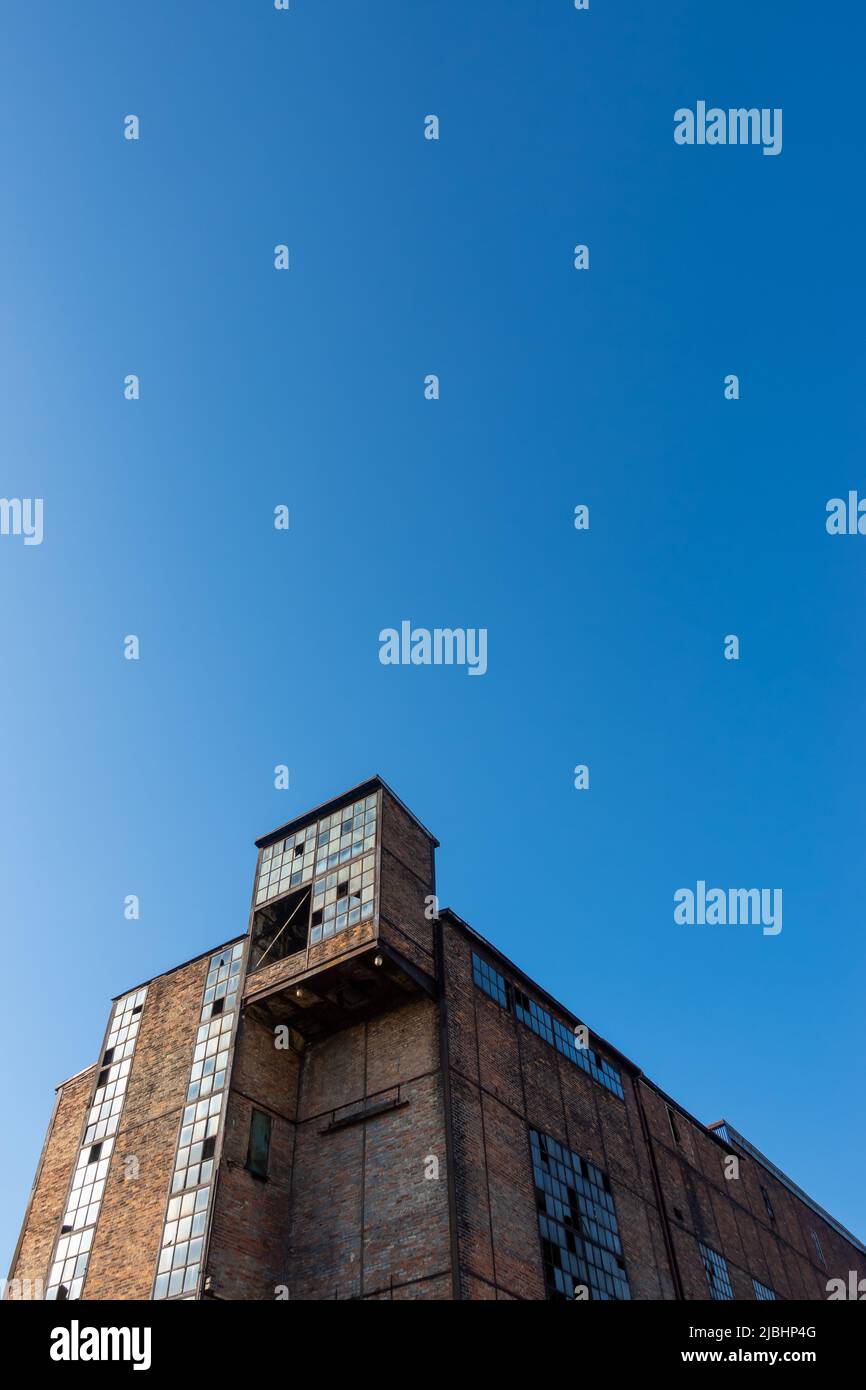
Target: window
{"points": [[818, 1248], [260, 1144], [180, 1259], [673, 1124], [104, 1113], [182, 1244], [768, 1204], [490, 981], [716, 1270], [318, 882], [84, 1198], [317, 848], [532, 1015], [763, 1294], [542, 1023], [342, 898], [577, 1223]]}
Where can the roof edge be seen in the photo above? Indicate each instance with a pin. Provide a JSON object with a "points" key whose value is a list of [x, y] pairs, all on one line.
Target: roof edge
{"points": [[720, 1131], [374, 783]]}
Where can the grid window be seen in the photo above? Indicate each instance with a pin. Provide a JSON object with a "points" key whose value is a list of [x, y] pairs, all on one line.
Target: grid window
{"points": [[221, 986], [763, 1294], [509, 997], [490, 981], [87, 1185], [577, 1223], [716, 1270], [342, 898], [532, 1014], [70, 1265], [180, 1259], [180, 1256], [199, 1128], [589, 1061], [316, 849], [104, 1113]]}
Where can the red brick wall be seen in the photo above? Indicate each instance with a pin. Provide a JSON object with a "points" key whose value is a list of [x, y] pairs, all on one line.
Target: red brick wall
{"points": [[406, 879], [353, 1211], [290, 967], [48, 1199], [365, 1220], [505, 1080], [126, 1244], [248, 1255], [729, 1214]]}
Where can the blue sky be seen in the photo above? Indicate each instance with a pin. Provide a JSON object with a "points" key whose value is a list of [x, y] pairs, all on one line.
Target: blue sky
{"points": [[558, 387]]}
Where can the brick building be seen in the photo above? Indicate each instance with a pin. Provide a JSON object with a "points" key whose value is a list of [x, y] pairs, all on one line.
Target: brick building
{"points": [[360, 1098]]}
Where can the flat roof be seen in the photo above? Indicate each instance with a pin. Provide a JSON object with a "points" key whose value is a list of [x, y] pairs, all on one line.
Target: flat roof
{"points": [[723, 1133], [158, 976], [372, 784], [733, 1136], [211, 951], [75, 1075]]}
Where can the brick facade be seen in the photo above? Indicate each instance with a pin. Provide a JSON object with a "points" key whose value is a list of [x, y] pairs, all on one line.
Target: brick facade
{"points": [[410, 1113]]}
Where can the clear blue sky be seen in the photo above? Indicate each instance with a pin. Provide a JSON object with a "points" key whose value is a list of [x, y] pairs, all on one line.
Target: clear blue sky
{"points": [[557, 387]]}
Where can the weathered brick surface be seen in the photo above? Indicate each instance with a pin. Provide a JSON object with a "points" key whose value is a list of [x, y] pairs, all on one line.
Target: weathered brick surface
{"points": [[248, 1252], [283, 971], [126, 1244], [406, 880], [400, 1162], [730, 1216], [500, 1068], [366, 1218], [49, 1195]]}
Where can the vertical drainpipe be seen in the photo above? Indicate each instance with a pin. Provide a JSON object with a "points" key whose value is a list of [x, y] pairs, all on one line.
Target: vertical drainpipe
{"points": [[660, 1201], [445, 1069]]}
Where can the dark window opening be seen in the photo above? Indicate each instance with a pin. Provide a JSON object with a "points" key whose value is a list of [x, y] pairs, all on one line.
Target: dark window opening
{"points": [[137, 1010], [577, 1224], [716, 1269], [207, 1148], [109, 1054], [217, 1007], [280, 928], [259, 1148], [678, 1214], [62, 1294], [342, 890], [560, 1035], [93, 1156], [102, 1079]]}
